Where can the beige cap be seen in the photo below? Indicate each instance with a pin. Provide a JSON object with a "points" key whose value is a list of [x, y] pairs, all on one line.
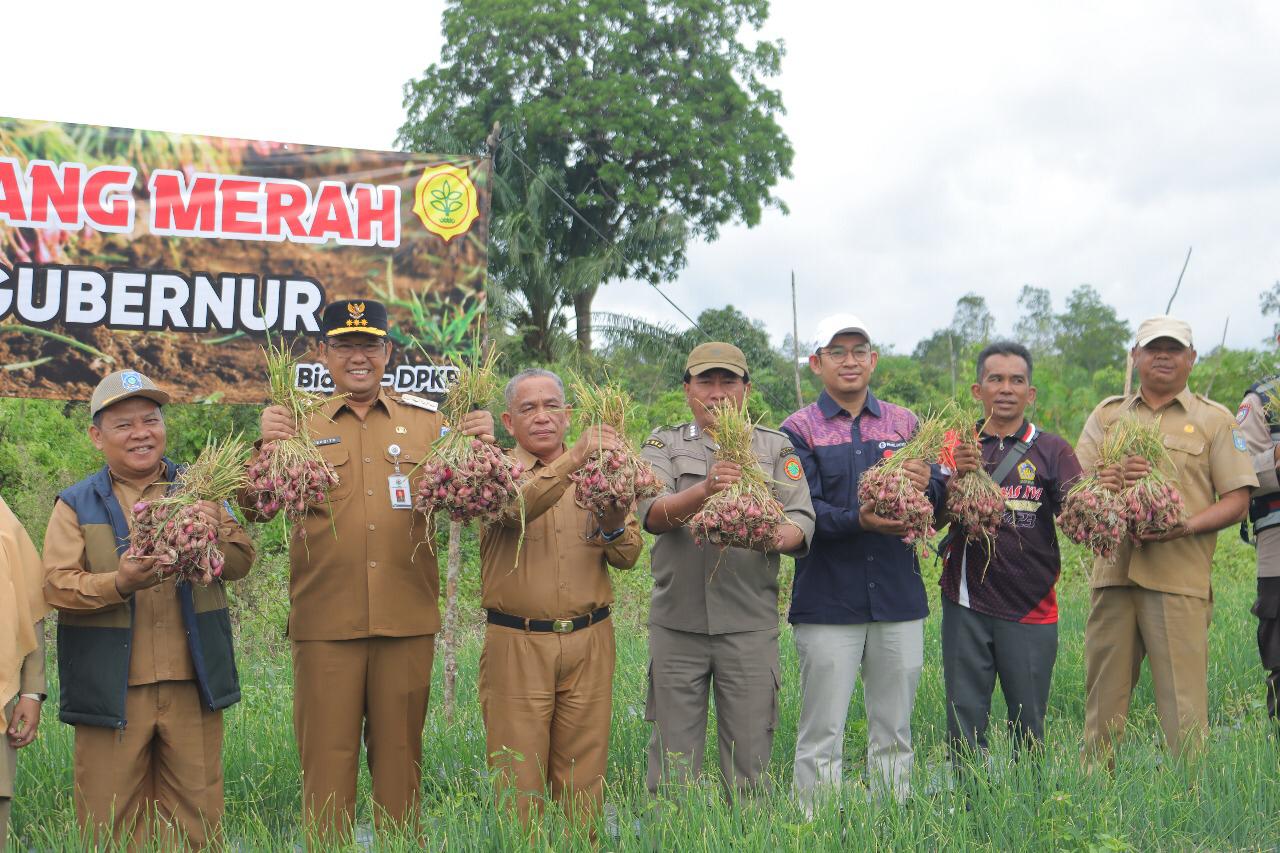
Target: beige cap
{"points": [[714, 355], [122, 385], [1164, 326], [839, 324]]}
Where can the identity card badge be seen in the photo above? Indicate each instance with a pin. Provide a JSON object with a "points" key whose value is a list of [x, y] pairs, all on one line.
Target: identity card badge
{"points": [[397, 483]]}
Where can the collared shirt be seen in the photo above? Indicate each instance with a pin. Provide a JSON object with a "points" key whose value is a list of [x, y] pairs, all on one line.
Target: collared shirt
{"points": [[364, 569], [703, 589], [562, 568], [159, 646], [1016, 581], [852, 576], [1209, 459], [1261, 440]]}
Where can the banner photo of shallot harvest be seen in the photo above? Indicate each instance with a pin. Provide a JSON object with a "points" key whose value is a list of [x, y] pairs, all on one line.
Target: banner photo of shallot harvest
{"points": [[177, 255]]}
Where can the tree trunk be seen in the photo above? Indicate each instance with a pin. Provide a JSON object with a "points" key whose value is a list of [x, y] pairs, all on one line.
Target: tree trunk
{"points": [[582, 317], [449, 634]]}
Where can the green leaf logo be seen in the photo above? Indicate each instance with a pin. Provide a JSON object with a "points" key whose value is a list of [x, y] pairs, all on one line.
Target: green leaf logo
{"points": [[447, 200]]}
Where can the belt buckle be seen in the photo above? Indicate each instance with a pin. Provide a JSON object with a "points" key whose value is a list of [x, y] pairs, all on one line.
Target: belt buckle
{"points": [[562, 626]]}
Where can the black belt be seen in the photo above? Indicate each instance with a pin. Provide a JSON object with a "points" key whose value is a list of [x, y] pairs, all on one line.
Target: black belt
{"points": [[544, 626]]}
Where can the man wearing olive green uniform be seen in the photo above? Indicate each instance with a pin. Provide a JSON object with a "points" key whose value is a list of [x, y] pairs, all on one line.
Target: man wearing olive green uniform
{"points": [[713, 617], [363, 582], [22, 681], [1156, 601], [1260, 426], [145, 663]]}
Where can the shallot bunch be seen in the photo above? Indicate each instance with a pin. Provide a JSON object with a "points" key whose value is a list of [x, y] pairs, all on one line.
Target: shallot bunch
{"points": [[1152, 505], [745, 515], [611, 477], [1094, 516], [290, 474], [890, 491], [468, 480], [974, 500], [172, 528]]}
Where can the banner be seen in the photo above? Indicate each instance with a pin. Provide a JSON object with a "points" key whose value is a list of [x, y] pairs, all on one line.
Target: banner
{"points": [[177, 255]]}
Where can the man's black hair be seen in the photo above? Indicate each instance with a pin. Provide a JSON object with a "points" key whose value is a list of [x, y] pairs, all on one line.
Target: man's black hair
{"points": [[1003, 348]]}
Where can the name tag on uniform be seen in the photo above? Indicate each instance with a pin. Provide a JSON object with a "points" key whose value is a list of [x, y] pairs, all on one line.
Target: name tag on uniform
{"points": [[398, 484]]}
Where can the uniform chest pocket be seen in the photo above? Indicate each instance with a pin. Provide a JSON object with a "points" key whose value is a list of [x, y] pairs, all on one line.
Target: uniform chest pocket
{"points": [[1187, 451], [338, 457], [688, 469]]}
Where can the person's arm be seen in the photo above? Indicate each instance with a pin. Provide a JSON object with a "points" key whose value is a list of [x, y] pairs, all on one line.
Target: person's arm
{"points": [[237, 547], [670, 511], [31, 680], [1068, 473], [540, 492], [67, 583], [830, 520], [623, 549], [1263, 452], [794, 493]]}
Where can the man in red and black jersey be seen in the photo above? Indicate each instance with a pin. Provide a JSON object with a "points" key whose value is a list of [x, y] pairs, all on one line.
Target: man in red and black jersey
{"points": [[999, 611]]}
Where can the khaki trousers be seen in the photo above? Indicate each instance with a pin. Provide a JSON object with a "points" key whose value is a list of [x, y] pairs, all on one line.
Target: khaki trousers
{"points": [[547, 701], [5, 805], [8, 772], [1126, 624], [683, 667], [343, 689], [159, 777]]}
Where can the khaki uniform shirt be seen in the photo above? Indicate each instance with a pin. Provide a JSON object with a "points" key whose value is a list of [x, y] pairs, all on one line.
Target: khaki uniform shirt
{"points": [[159, 651], [703, 589], [563, 565], [364, 569], [1252, 421], [1209, 460]]}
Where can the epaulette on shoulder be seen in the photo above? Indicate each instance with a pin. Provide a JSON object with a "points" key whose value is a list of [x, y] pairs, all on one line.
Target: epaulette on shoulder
{"points": [[416, 401], [776, 432], [1216, 405], [1107, 401]]}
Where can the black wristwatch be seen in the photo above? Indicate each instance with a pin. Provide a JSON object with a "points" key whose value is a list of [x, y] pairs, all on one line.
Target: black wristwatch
{"points": [[612, 534]]}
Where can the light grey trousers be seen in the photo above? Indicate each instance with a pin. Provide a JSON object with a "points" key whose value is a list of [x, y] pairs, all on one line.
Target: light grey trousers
{"points": [[889, 655]]}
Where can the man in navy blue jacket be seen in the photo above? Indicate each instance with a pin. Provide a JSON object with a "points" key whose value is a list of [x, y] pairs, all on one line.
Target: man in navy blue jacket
{"points": [[859, 603]]}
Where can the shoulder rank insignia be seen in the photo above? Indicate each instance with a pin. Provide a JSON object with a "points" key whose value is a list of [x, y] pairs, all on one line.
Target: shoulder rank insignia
{"points": [[653, 441], [420, 402], [787, 451]]}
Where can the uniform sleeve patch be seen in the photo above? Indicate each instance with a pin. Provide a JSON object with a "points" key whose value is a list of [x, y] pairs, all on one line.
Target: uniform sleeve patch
{"points": [[792, 469], [653, 442], [787, 451], [1243, 413], [1238, 440]]}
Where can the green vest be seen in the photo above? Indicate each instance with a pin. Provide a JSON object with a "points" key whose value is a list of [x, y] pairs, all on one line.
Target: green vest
{"points": [[94, 648]]}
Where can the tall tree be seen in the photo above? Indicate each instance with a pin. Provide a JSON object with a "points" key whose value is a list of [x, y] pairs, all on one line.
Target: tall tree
{"points": [[1089, 332], [1037, 327], [1270, 301], [653, 109]]}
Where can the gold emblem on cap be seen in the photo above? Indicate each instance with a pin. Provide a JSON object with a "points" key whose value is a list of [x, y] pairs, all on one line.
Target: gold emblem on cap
{"points": [[356, 310]]}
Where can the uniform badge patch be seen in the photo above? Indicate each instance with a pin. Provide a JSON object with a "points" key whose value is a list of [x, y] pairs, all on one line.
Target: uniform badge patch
{"points": [[1026, 472], [1238, 440], [792, 468], [131, 380], [1243, 413], [653, 442]]}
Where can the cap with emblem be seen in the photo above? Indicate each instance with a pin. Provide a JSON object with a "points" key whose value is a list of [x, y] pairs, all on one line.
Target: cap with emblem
{"points": [[716, 355], [354, 315], [1163, 326], [839, 324], [121, 385]]}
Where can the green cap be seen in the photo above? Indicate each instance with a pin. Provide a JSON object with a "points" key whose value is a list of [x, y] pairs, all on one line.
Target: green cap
{"points": [[713, 355], [122, 385]]}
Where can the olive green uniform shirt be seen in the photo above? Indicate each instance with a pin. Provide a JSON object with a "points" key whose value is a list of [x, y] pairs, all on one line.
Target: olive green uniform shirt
{"points": [[703, 589], [1209, 459]]}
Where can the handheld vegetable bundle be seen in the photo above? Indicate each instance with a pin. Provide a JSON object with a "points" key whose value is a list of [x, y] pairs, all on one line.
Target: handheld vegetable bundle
{"points": [[890, 491], [1092, 515], [290, 474], [974, 500], [465, 478], [172, 528], [1152, 505], [745, 515], [619, 476]]}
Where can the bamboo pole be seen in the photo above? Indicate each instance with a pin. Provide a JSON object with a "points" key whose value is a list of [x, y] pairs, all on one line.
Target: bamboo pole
{"points": [[448, 636], [795, 343]]}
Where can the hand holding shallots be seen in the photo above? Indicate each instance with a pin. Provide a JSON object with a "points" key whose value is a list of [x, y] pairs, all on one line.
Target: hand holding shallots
{"points": [[613, 474], [892, 488], [974, 500]]}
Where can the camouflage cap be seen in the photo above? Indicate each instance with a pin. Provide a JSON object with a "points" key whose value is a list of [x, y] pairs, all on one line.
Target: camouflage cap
{"points": [[716, 354], [122, 385]]}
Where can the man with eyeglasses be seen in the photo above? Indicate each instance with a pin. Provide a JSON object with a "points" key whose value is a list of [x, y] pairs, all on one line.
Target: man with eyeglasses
{"points": [[858, 604], [713, 617], [546, 673], [363, 582]]}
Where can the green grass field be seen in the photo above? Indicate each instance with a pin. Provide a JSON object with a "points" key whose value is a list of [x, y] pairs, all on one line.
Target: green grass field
{"points": [[1227, 799]]}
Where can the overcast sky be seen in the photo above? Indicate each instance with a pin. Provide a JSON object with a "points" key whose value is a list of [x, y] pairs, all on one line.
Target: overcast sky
{"points": [[940, 148]]}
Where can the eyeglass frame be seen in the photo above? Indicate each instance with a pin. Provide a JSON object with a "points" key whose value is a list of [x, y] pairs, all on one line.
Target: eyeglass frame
{"points": [[861, 353], [346, 349]]}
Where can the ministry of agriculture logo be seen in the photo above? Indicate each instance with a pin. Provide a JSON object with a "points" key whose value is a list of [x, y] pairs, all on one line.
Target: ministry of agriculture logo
{"points": [[445, 201]]}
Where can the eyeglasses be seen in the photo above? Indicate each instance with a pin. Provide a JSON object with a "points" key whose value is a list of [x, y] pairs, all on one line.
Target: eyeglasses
{"points": [[552, 409], [371, 349], [837, 354]]}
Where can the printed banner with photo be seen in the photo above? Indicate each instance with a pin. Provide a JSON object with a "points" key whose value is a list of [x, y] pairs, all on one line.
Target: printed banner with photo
{"points": [[176, 255]]}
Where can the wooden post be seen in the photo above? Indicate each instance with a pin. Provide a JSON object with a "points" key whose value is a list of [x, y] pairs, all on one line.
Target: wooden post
{"points": [[449, 634], [795, 343]]}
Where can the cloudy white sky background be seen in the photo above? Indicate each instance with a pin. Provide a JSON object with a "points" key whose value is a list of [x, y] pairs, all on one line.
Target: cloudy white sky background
{"points": [[940, 148]]}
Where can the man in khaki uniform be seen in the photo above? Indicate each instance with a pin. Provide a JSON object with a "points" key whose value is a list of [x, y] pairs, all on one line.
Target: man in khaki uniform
{"points": [[546, 673], [713, 617], [145, 663], [1155, 601], [363, 582], [22, 684], [1260, 426]]}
